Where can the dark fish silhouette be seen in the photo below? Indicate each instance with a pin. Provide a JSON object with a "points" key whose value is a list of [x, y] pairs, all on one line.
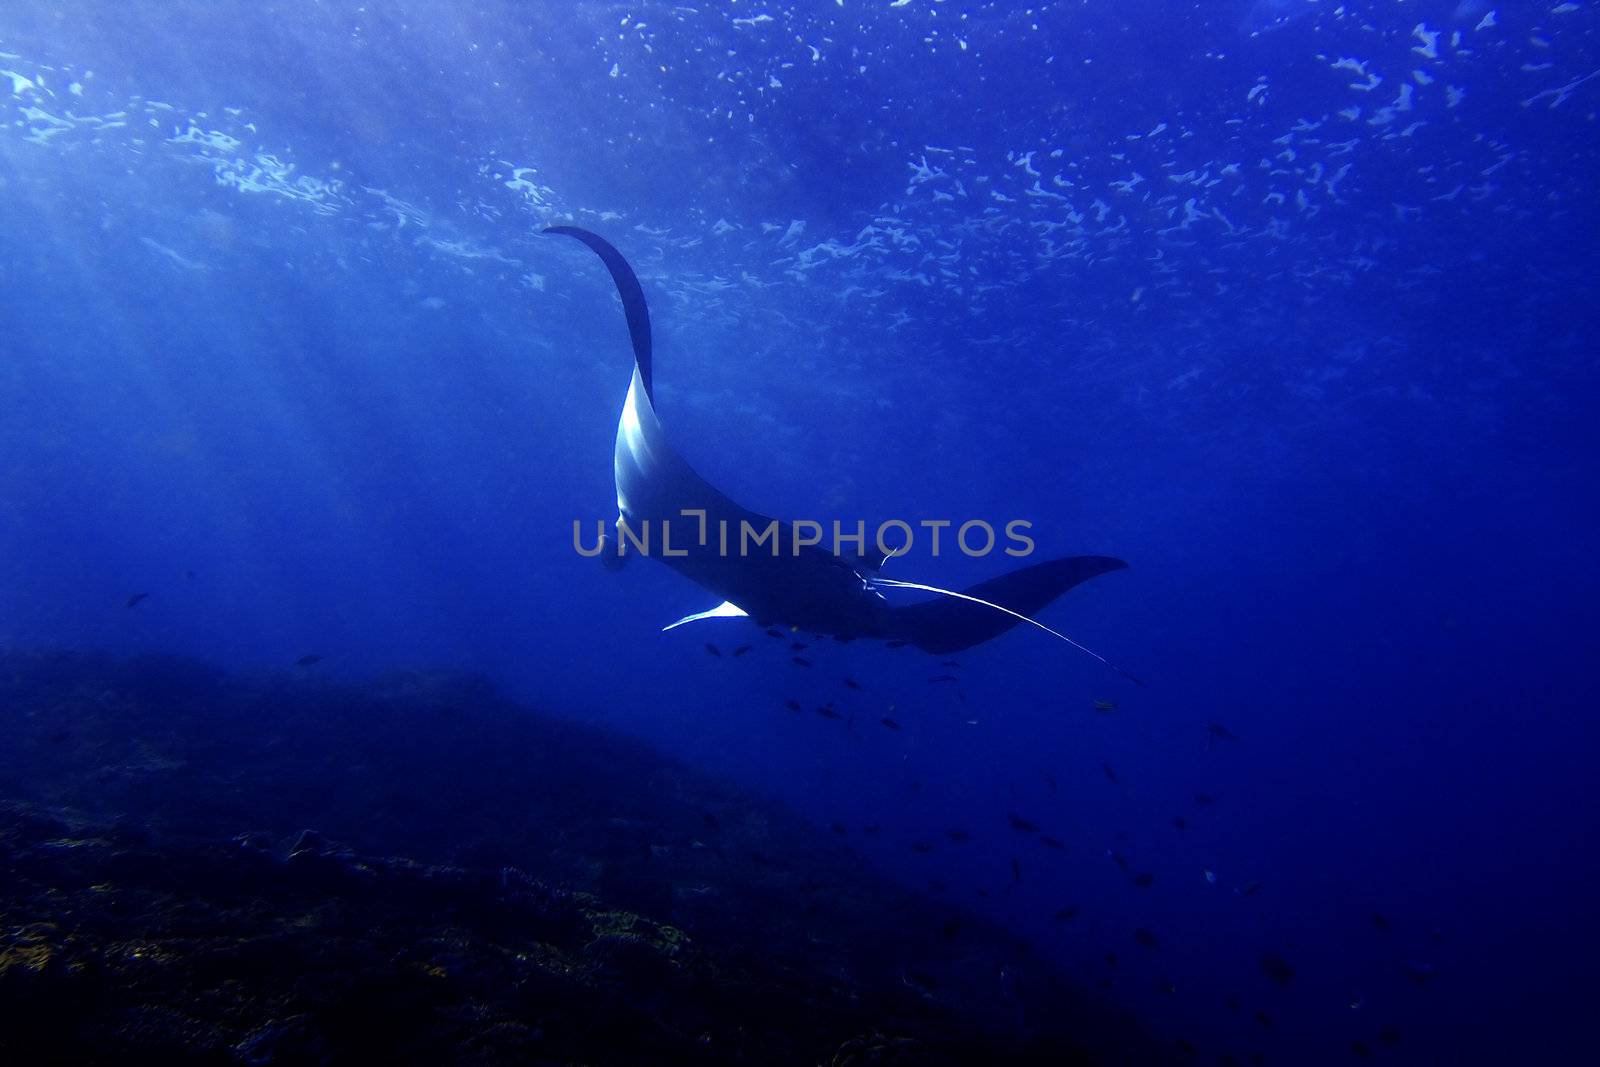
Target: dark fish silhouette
{"points": [[851, 683], [1067, 914], [839, 828], [1204, 800], [872, 830], [307, 661], [1146, 938], [1215, 731], [801, 585], [921, 846], [1016, 869], [1180, 822], [958, 835], [1019, 823], [1390, 1036], [798, 646], [948, 663], [711, 820], [1119, 859], [713, 649], [1250, 888], [827, 712], [792, 705], [1264, 1019], [1049, 842], [1051, 782], [1276, 968], [943, 678], [890, 723], [1110, 772], [1144, 881], [1361, 1050], [741, 650], [1380, 921], [134, 600], [799, 662], [775, 633]]}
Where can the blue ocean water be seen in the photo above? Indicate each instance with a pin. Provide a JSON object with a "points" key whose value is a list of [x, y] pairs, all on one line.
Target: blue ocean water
{"points": [[1288, 305]]}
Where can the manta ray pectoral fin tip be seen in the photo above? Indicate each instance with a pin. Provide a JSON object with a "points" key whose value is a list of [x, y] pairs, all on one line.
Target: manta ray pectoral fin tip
{"points": [[724, 610]]}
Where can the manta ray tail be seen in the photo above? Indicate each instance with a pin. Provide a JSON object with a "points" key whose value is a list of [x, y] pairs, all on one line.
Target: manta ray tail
{"points": [[960, 620], [632, 297]]}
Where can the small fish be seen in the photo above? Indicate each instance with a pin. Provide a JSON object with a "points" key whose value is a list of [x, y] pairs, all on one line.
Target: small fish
{"points": [[1146, 938], [711, 820], [798, 646], [776, 633], [1361, 1050], [1110, 772], [890, 723], [1390, 1036], [1180, 822], [1250, 888], [943, 678], [951, 929], [948, 663], [1380, 920], [1419, 972], [1204, 800], [134, 600], [307, 661], [792, 705], [958, 835], [1185, 1046], [1016, 869], [851, 683], [1215, 731], [1118, 858], [872, 830], [713, 649], [1050, 842], [1264, 1019], [921, 846], [741, 650], [839, 828], [800, 662], [1144, 880], [1019, 823], [827, 712], [1051, 782], [1111, 959], [1067, 914], [1105, 705], [1276, 968]]}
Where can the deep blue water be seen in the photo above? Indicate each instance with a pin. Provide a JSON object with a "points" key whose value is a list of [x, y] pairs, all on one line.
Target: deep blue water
{"points": [[1290, 305]]}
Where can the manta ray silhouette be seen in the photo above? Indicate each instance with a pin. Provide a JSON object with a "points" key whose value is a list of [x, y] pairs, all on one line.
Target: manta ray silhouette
{"points": [[799, 585]]}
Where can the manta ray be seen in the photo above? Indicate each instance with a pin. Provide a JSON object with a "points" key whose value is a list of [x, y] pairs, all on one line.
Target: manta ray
{"points": [[794, 584]]}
